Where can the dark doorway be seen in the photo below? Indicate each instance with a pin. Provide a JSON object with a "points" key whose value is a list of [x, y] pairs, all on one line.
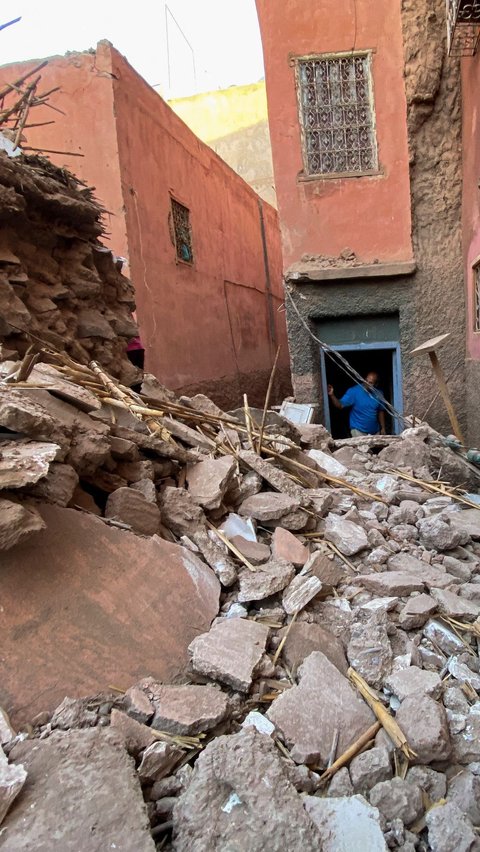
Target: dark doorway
{"points": [[363, 361]]}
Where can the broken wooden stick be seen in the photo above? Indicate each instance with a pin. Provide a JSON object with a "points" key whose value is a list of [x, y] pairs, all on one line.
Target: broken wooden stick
{"points": [[267, 400], [351, 752], [387, 721]]}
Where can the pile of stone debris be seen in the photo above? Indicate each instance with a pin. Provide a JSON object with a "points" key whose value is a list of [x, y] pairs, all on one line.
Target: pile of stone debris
{"points": [[334, 701]]}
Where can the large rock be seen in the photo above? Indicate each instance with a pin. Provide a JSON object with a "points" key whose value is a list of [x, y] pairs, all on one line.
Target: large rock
{"points": [[85, 596], [216, 555], [347, 824], [286, 546], [348, 537], [18, 521], [439, 533], [268, 506], [24, 462], [240, 798], [433, 577], [179, 512], [276, 478], [468, 521], [230, 652], [449, 830], [466, 743], [308, 715], [414, 681], [455, 607], [464, 790], [416, 612], [267, 580], [424, 723], [209, 480], [303, 588], [58, 486], [370, 768], [398, 799], [303, 638], [369, 651], [12, 779], [131, 507], [187, 710], [81, 793], [390, 583]]}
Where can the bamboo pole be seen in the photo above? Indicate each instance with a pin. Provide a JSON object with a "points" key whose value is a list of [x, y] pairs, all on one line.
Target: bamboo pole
{"points": [[351, 752], [267, 400]]}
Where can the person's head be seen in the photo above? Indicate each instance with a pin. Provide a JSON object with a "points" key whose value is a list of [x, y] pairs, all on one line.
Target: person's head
{"points": [[371, 379]]}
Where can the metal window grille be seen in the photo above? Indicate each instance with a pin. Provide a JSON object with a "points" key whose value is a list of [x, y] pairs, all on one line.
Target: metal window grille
{"points": [[182, 231], [463, 27], [337, 116], [476, 307]]}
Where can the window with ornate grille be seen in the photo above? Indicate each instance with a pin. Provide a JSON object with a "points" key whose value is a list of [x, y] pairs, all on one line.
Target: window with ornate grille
{"points": [[337, 115], [476, 296], [182, 232]]}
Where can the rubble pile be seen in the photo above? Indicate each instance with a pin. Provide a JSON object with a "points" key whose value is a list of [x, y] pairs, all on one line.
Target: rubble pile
{"points": [[333, 702], [57, 281]]}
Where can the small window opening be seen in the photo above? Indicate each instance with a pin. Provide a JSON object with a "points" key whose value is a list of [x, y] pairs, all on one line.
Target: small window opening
{"points": [[182, 231], [476, 296]]}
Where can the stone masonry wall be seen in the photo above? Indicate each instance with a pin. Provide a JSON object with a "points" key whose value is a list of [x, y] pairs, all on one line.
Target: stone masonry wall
{"points": [[431, 301]]}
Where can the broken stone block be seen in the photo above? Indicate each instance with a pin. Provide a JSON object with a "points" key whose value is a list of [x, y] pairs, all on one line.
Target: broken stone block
{"points": [[18, 521], [449, 830], [58, 486], [398, 799], [433, 783], [340, 785], [303, 638], [327, 463], [268, 579], [293, 521], [240, 798], [440, 634], [179, 513], [326, 568], [158, 760], [414, 681], [308, 715], [24, 462], [464, 790], [369, 651], [259, 722], [302, 589], [438, 533], [468, 521], [12, 779], [370, 768], [346, 824], [416, 612], [87, 776], [254, 551], [455, 607], [147, 488], [287, 546], [461, 672], [390, 583], [7, 732], [214, 554], [466, 743], [132, 508], [136, 736], [230, 652], [187, 710], [348, 537], [209, 480], [433, 577], [424, 723], [458, 568], [268, 506], [138, 704], [275, 477]]}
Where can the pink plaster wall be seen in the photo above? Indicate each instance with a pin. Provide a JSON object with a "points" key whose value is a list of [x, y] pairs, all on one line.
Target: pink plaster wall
{"points": [[370, 215]]}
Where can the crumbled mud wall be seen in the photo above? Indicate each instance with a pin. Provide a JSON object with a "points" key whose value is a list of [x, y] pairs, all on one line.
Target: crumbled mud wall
{"points": [[57, 281], [432, 300]]}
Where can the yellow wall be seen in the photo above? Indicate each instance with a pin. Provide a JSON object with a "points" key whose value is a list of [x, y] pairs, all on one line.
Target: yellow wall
{"points": [[212, 115]]}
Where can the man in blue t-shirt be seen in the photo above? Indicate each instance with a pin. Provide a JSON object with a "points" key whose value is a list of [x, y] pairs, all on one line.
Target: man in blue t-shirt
{"points": [[367, 414]]}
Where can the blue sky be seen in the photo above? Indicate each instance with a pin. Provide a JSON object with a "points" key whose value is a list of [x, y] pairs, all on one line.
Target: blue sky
{"points": [[212, 43]]}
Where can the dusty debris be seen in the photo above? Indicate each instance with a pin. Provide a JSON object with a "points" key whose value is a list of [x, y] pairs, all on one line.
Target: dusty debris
{"points": [[12, 779], [230, 652], [348, 823]]}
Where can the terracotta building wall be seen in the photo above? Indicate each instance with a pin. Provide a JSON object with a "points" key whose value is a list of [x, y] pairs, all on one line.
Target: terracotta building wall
{"points": [[206, 325], [210, 326], [370, 215]]}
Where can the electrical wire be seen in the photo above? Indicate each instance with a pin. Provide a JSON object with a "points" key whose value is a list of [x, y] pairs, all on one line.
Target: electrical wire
{"points": [[341, 362]]}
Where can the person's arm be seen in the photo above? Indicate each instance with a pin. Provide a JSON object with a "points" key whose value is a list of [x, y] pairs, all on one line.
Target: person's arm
{"points": [[381, 420], [336, 402]]}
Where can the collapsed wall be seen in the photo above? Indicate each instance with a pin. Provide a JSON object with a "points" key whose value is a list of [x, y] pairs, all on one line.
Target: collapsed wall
{"points": [[57, 281]]}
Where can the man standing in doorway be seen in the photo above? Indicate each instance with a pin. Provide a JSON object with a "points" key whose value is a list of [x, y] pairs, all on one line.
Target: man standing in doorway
{"points": [[365, 401]]}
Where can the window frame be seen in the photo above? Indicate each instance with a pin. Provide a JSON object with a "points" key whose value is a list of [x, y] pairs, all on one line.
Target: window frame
{"points": [[476, 295], [305, 175], [178, 259]]}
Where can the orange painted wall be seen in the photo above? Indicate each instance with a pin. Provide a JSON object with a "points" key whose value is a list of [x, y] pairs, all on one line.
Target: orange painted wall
{"points": [[207, 321], [370, 215], [471, 194], [204, 324]]}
